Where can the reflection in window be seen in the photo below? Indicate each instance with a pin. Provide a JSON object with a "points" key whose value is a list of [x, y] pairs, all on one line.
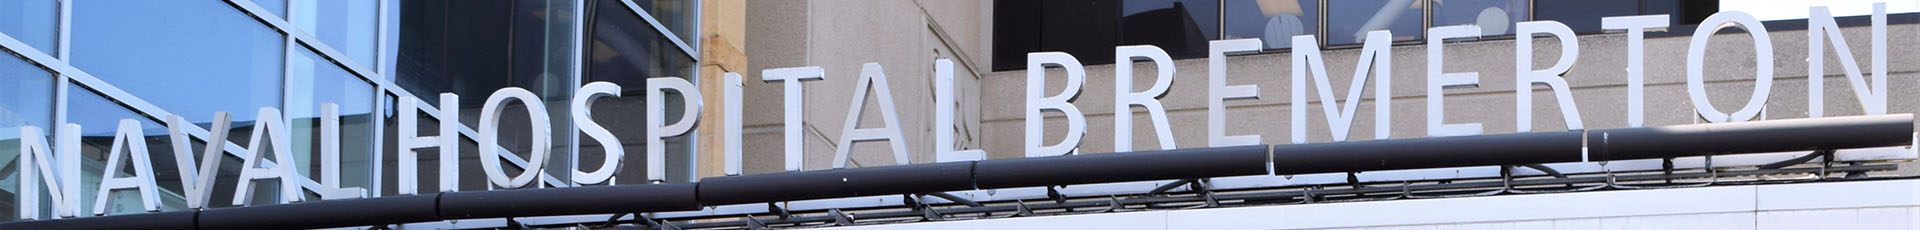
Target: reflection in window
{"points": [[320, 81], [1349, 21], [188, 57], [679, 16], [625, 50], [34, 22], [26, 99], [99, 120], [1182, 27], [1274, 22], [346, 25], [1495, 17], [474, 48]]}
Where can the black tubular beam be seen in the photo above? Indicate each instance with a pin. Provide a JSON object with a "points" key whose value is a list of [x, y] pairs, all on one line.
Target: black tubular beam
{"points": [[1504, 149], [1121, 167], [836, 183], [1418, 153], [326, 213], [569, 201], [1752, 137], [160, 220]]}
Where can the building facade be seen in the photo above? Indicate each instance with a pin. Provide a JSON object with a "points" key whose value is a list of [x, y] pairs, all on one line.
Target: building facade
{"points": [[170, 67]]}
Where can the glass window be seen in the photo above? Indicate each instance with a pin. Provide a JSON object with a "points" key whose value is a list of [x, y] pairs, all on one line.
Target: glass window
{"points": [[191, 58], [1086, 29], [679, 16], [1495, 17], [35, 22], [99, 120], [474, 49], [1349, 21], [277, 7], [348, 26], [26, 99], [1274, 22], [626, 51], [1182, 27], [317, 81]]}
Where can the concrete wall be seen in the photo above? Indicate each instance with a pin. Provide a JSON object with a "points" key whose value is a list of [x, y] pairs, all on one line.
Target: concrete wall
{"points": [[1598, 80], [906, 36]]}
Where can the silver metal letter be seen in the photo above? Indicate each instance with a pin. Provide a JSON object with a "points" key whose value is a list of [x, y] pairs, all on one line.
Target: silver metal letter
{"points": [[1438, 79], [198, 185], [1873, 98], [791, 78], [943, 105], [582, 105], [490, 151], [871, 77], [58, 168], [1124, 97], [1636, 27], [1376, 55], [129, 140], [1036, 103], [730, 96], [269, 129], [1526, 76], [1763, 75], [1218, 92], [658, 129]]}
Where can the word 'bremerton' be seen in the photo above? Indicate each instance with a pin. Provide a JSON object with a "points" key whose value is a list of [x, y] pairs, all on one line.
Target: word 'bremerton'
{"points": [[57, 167]]}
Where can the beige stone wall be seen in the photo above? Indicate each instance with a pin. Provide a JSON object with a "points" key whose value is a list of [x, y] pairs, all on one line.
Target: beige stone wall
{"points": [[1598, 80], [906, 36], [841, 35]]}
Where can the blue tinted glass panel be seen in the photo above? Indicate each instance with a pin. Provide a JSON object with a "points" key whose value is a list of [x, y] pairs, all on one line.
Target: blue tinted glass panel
{"points": [[191, 58], [1495, 17], [35, 22], [318, 81], [349, 26], [1349, 21], [277, 7], [25, 100], [1274, 22]]}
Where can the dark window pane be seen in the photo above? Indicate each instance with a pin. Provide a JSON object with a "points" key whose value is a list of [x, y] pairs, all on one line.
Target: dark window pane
{"points": [[25, 100], [1495, 17], [1583, 15], [1182, 27], [34, 22], [171, 53], [625, 50], [474, 48], [1274, 22], [1086, 29], [1349, 21], [677, 15]]}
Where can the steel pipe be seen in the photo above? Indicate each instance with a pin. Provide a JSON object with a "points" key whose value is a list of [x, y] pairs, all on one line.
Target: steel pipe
{"points": [[1121, 167], [835, 183], [1436, 152], [1752, 137]]}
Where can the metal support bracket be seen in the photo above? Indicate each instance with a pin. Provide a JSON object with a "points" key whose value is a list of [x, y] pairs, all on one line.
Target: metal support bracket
{"points": [[840, 218], [778, 211]]}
